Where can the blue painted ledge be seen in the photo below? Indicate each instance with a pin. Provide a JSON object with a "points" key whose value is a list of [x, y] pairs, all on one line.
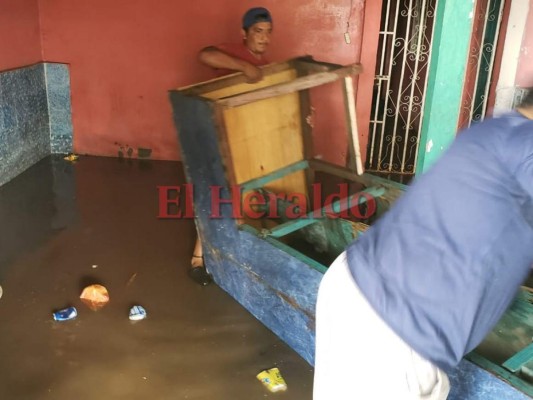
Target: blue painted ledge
{"points": [[35, 116]]}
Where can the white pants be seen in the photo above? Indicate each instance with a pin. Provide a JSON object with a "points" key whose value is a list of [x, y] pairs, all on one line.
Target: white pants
{"points": [[358, 357]]}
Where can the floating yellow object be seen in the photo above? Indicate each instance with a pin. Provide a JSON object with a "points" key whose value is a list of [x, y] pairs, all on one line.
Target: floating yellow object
{"points": [[71, 157], [272, 379]]}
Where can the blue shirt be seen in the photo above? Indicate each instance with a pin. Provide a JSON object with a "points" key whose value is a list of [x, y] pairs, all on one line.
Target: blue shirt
{"points": [[445, 262]]}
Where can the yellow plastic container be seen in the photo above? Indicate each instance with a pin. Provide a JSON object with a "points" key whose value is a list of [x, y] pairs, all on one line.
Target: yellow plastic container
{"points": [[273, 380]]}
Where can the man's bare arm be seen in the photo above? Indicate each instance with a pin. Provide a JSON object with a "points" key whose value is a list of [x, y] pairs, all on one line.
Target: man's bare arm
{"points": [[214, 58]]}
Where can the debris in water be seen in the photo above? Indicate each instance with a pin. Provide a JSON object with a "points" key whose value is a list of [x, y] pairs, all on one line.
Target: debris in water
{"points": [[272, 379], [132, 278], [137, 313], [71, 157], [65, 314], [95, 296]]}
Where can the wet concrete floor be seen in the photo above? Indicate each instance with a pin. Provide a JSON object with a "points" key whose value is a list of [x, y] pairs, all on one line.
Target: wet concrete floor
{"points": [[64, 226]]}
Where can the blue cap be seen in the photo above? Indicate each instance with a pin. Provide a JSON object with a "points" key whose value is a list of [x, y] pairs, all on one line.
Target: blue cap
{"points": [[255, 15]]}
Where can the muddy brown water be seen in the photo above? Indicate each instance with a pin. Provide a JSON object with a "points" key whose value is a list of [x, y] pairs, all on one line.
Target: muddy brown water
{"points": [[64, 226]]}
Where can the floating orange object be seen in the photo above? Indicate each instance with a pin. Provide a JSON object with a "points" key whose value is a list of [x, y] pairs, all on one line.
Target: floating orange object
{"points": [[95, 296]]}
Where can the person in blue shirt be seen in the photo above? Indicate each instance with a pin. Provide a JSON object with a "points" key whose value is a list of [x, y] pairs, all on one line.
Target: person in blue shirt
{"points": [[430, 279]]}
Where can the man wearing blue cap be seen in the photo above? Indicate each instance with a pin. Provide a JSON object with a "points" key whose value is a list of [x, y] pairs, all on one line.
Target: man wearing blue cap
{"points": [[245, 57]]}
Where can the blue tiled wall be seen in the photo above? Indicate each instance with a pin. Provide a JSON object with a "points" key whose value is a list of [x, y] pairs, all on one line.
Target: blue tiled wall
{"points": [[35, 117]]}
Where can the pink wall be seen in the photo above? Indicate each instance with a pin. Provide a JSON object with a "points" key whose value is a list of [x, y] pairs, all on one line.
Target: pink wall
{"points": [[20, 42], [524, 74], [125, 55]]}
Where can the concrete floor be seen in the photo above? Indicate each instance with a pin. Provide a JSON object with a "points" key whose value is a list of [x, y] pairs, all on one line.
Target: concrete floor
{"points": [[59, 220]]}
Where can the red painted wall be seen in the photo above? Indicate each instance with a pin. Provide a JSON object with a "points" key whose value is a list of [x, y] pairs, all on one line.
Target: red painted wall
{"points": [[20, 42], [365, 86], [524, 73], [125, 55], [316, 27]]}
